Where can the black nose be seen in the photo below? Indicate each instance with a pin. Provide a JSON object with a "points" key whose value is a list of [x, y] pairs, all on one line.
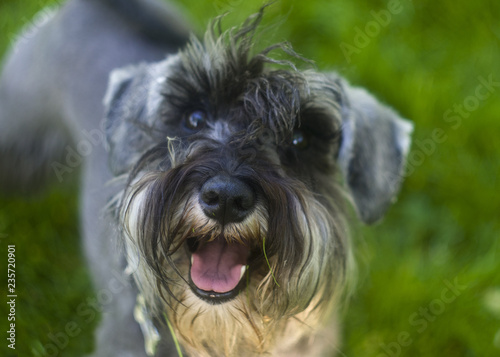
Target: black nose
{"points": [[226, 199]]}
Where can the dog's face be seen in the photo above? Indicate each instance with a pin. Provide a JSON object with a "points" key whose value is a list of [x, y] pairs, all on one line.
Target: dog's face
{"points": [[233, 210]]}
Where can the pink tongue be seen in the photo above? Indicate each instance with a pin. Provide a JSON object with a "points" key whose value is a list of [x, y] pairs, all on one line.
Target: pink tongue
{"points": [[217, 266]]}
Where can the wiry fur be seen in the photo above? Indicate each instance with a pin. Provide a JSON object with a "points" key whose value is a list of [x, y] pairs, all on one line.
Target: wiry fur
{"points": [[299, 221], [304, 144]]}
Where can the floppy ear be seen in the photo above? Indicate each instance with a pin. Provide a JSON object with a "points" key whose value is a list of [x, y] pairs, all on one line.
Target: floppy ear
{"points": [[372, 155], [130, 94], [122, 107]]}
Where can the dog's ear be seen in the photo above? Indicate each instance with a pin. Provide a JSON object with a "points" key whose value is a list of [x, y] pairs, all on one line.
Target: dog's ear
{"points": [[372, 155], [124, 104]]}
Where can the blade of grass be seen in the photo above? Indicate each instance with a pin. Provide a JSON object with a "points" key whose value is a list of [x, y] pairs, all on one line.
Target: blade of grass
{"points": [[176, 342], [267, 260]]}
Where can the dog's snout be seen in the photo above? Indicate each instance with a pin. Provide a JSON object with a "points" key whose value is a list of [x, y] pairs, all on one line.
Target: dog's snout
{"points": [[226, 199]]}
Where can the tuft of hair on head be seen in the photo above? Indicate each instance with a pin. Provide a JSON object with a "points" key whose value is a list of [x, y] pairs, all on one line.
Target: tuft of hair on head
{"points": [[227, 67]]}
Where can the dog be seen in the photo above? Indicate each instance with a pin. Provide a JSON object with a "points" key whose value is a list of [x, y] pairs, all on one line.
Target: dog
{"points": [[220, 182]]}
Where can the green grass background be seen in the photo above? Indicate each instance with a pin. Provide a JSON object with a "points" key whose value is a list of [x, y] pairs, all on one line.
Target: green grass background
{"points": [[445, 227]]}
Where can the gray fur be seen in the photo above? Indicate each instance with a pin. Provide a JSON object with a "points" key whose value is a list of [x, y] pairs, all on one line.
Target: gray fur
{"points": [[135, 92], [375, 144], [52, 90]]}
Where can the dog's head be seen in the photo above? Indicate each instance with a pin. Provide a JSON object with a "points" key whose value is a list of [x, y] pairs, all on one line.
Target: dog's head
{"points": [[237, 175]]}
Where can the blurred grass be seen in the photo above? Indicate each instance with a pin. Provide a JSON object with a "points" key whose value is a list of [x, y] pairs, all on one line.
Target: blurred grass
{"points": [[446, 225]]}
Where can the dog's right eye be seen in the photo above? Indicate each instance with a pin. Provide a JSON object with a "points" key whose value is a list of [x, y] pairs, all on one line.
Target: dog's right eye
{"points": [[300, 140], [195, 120]]}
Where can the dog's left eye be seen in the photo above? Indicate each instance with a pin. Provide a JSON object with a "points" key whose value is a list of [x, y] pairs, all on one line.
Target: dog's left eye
{"points": [[196, 120], [300, 140]]}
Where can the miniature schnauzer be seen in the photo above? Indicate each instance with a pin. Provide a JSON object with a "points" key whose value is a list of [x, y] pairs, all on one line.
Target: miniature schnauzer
{"points": [[226, 175]]}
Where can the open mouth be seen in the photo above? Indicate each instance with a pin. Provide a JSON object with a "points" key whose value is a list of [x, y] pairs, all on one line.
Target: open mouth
{"points": [[217, 269]]}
